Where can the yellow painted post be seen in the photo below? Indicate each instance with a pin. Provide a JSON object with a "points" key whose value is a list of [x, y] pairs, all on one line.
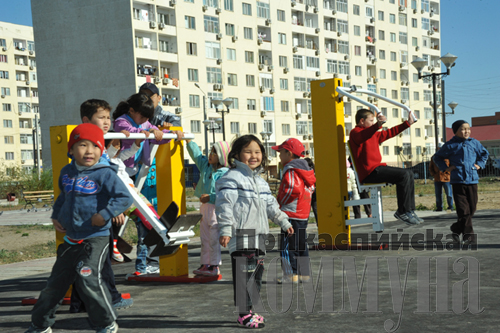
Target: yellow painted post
{"points": [[59, 138], [170, 186], [330, 166]]}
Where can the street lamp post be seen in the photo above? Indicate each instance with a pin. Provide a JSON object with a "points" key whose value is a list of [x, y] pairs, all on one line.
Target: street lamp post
{"points": [[204, 117], [266, 136], [419, 64], [452, 106], [212, 125], [227, 102]]}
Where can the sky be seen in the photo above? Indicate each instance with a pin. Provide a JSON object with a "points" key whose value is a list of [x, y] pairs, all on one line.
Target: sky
{"points": [[467, 28]]}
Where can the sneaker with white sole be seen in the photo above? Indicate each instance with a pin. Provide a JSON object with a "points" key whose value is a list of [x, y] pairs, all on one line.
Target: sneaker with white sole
{"points": [[212, 271], [123, 303], [113, 328], [416, 216], [407, 218], [152, 269], [202, 269], [34, 329]]}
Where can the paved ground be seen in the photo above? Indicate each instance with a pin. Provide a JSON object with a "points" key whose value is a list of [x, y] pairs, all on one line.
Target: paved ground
{"points": [[162, 307]]}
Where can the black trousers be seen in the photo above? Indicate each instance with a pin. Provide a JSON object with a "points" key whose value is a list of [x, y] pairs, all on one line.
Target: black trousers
{"points": [[246, 265], [405, 185], [80, 265], [297, 248], [314, 205], [368, 208], [465, 202]]}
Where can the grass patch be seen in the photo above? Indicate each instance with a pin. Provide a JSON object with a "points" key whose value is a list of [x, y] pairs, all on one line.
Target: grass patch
{"points": [[37, 251], [191, 209]]}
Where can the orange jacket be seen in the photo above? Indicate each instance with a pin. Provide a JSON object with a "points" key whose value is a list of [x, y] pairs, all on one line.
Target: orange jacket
{"points": [[439, 176]]}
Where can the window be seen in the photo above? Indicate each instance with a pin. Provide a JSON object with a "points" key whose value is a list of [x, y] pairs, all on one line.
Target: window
{"points": [[266, 81], [250, 80], [414, 23], [372, 88], [331, 66], [283, 61], [211, 24], [403, 55], [229, 29], [247, 33], [393, 37], [191, 49], [395, 113], [23, 107], [235, 127], [285, 106], [298, 62], [427, 95], [425, 23], [195, 126], [301, 128], [383, 92], [418, 134], [190, 22], [7, 123], [247, 9], [357, 50], [312, 63], [343, 47], [3, 58], [381, 34], [344, 67], [267, 103], [405, 93], [251, 104], [193, 74], [231, 54], [2, 42], [385, 150], [355, 9], [416, 95], [357, 70], [285, 129], [229, 5], [300, 84], [249, 56], [382, 73], [392, 18], [284, 84], [369, 11], [281, 38], [10, 139], [403, 37], [194, 101], [394, 76], [24, 123], [413, 4], [214, 75], [6, 107], [425, 5], [36, 108], [4, 75], [393, 56], [342, 26], [380, 15], [263, 10], [232, 79], [9, 156], [402, 19], [252, 128], [394, 94], [384, 111], [381, 54], [342, 6], [212, 50], [357, 30], [281, 15], [415, 77], [414, 41]]}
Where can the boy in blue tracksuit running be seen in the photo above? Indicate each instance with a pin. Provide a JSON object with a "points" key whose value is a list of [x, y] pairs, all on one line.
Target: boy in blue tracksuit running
{"points": [[466, 155]]}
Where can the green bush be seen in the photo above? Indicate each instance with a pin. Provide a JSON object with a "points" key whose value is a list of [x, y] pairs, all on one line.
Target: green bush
{"points": [[12, 179]]}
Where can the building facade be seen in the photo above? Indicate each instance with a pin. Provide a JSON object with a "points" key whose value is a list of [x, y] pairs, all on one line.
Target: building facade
{"points": [[18, 96], [260, 54]]}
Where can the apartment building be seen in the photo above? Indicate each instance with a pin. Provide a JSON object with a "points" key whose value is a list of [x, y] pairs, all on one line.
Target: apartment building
{"points": [[18, 96], [261, 55]]}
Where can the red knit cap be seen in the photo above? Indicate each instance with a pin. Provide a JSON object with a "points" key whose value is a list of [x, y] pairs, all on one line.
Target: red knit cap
{"points": [[293, 145], [89, 132]]}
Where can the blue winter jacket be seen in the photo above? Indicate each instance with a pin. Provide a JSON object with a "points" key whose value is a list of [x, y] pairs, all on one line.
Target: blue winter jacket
{"points": [[85, 193], [208, 175], [463, 154]]}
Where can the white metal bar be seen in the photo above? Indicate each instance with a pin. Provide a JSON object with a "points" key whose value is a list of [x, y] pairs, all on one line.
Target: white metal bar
{"points": [[348, 92], [134, 136]]}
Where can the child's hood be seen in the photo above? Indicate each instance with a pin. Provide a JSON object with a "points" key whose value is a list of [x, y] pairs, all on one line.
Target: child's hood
{"points": [[103, 163], [301, 167]]}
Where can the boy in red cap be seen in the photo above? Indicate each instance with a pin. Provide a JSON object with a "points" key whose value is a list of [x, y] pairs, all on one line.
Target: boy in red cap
{"points": [[294, 197], [91, 195]]}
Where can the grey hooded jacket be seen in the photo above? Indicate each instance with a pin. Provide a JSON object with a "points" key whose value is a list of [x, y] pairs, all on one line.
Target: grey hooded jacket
{"points": [[244, 201]]}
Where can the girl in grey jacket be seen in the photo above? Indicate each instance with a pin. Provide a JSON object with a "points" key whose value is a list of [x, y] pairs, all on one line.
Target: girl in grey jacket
{"points": [[244, 204]]}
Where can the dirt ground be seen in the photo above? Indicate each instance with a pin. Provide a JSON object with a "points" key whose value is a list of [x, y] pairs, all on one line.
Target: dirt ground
{"points": [[14, 238]]}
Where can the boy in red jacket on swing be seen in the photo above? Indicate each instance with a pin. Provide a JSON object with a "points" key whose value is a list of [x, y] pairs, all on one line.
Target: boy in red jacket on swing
{"points": [[294, 197], [365, 139]]}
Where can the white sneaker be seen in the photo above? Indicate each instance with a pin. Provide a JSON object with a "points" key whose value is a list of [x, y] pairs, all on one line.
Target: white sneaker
{"points": [[117, 256], [152, 270]]}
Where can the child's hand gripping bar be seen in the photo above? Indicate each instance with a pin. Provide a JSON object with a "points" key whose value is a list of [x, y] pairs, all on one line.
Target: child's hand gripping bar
{"points": [[134, 136], [348, 92]]}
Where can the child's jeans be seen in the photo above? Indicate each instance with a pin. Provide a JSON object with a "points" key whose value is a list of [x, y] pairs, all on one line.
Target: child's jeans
{"points": [[209, 235], [142, 249]]}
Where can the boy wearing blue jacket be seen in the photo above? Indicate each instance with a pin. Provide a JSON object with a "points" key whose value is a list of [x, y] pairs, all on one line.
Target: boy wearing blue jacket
{"points": [[91, 195], [466, 155]]}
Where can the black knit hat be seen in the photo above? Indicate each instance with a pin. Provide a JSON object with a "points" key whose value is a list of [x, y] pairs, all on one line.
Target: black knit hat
{"points": [[456, 125]]}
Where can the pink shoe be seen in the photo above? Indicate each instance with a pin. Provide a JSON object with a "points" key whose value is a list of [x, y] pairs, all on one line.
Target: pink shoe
{"points": [[257, 317], [201, 270], [212, 271], [249, 321]]}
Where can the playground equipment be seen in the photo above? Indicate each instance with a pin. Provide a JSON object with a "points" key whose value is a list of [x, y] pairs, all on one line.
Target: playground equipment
{"points": [[330, 151]]}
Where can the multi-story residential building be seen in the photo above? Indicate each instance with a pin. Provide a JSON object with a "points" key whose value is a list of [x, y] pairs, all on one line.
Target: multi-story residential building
{"points": [[260, 54], [18, 96]]}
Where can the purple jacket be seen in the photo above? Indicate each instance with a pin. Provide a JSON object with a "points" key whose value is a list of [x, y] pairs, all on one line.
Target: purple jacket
{"points": [[126, 123]]}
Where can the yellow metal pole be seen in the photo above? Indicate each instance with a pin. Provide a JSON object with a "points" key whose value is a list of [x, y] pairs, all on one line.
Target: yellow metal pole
{"points": [[330, 153], [170, 186]]}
